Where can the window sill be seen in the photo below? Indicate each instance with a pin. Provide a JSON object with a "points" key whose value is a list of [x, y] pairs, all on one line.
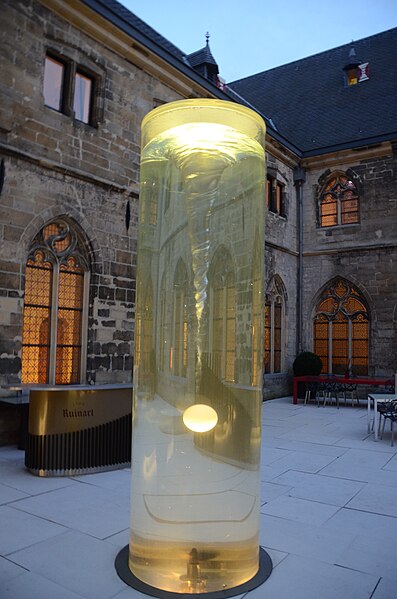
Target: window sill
{"points": [[337, 227], [276, 214]]}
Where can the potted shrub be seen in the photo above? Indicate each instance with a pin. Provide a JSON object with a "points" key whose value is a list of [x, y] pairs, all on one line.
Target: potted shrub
{"points": [[306, 364]]}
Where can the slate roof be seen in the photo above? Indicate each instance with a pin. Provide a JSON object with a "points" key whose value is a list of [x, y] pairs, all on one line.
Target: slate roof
{"points": [[204, 55], [312, 107], [120, 14]]}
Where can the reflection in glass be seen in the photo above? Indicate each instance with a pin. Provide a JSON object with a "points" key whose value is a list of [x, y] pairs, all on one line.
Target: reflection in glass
{"points": [[53, 83], [82, 97]]}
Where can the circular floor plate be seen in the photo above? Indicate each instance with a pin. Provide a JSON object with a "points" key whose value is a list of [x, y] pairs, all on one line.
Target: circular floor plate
{"points": [[122, 569]]}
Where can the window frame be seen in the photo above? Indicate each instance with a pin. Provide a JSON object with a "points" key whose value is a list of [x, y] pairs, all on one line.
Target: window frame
{"points": [[82, 72], [57, 260], [275, 297], [337, 315], [73, 68], [275, 196], [335, 194]]}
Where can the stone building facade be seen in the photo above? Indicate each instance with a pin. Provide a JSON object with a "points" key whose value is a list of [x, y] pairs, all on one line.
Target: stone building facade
{"points": [[69, 191], [364, 254]]}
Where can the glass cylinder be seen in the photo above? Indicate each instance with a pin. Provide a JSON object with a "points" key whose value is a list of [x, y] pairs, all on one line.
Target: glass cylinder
{"points": [[198, 348]]}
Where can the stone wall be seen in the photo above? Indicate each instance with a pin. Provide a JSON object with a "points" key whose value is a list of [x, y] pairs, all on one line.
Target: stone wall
{"points": [[364, 253], [58, 166], [281, 259]]}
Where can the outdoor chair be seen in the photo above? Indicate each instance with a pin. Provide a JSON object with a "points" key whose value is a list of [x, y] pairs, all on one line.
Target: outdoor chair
{"points": [[327, 392], [349, 392], [388, 411], [311, 391]]}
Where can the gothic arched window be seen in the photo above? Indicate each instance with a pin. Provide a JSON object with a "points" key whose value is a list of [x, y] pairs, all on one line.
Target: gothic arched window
{"points": [[341, 327], [223, 311], [274, 326], [55, 307], [338, 201]]}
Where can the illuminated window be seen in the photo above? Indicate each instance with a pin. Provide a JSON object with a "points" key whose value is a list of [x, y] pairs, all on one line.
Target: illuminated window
{"points": [[257, 323], [54, 330], [223, 312], [179, 361], [70, 88], [274, 326], [275, 196], [338, 201], [341, 325]]}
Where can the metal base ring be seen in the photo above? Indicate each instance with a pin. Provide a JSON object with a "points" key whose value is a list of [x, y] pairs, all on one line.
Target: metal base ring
{"points": [[122, 569]]}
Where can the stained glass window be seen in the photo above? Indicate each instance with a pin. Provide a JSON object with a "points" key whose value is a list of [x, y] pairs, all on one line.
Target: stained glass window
{"points": [[274, 326], [257, 326], [341, 329], [338, 201], [54, 307]]}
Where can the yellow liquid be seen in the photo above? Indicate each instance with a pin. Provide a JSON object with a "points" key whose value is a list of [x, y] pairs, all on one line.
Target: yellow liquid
{"points": [[198, 340]]}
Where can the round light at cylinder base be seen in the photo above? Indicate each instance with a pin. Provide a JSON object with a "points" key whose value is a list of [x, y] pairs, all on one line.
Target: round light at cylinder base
{"points": [[198, 348]]}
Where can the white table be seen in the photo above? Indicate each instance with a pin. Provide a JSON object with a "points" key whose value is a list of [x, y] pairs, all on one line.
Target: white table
{"points": [[374, 399]]}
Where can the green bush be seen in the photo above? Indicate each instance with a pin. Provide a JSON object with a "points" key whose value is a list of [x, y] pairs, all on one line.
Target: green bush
{"points": [[307, 363]]}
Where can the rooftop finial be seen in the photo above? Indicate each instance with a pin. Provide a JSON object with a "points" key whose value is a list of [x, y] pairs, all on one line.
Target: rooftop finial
{"points": [[352, 53], [207, 37]]}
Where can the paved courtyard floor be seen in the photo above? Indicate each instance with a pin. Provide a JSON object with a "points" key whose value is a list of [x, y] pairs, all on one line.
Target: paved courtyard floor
{"points": [[328, 516]]}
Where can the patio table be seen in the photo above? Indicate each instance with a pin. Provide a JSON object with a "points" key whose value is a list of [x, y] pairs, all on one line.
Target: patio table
{"points": [[380, 381]]}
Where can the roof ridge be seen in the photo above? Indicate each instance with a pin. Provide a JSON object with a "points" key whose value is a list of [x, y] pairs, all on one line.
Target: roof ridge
{"points": [[301, 60], [122, 12]]}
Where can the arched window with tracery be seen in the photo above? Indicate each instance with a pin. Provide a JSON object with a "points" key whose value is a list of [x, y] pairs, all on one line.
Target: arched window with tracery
{"points": [[54, 333], [338, 201], [222, 341], [274, 326], [179, 350], [341, 329]]}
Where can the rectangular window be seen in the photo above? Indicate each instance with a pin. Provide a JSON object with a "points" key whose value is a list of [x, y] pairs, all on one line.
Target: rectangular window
{"points": [[275, 196], [329, 212], [280, 209], [70, 89], [54, 77], [277, 338], [268, 330], [349, 211], [83, 89], [269, 192], [321, 334]]}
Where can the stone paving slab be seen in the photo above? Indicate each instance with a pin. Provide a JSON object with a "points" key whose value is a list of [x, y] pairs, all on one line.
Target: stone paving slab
{"points": [[328, 516]]}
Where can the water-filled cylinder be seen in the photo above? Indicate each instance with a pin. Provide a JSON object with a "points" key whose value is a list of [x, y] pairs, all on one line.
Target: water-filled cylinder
{"points": [[198, 348]]}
